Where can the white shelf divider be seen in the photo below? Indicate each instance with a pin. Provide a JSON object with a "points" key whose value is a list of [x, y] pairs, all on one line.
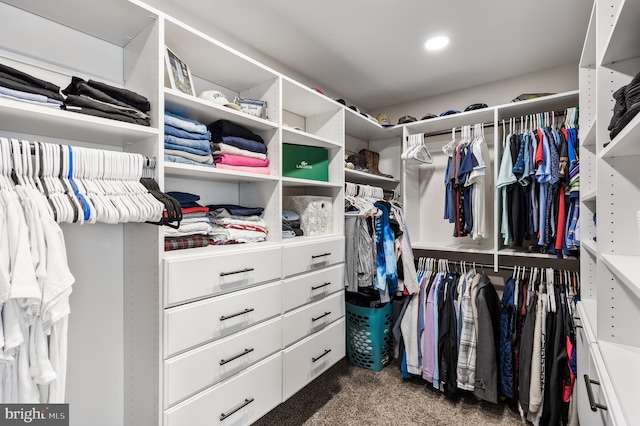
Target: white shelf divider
{"points": [[624, 40], [626, 142]]}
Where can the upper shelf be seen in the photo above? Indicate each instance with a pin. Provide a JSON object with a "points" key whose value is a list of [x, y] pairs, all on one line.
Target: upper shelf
{"points": [[207, 112], [588, 57], [210, 60], [624, 40], [626, 268], [357, 176], [304, 101], [178, 170], [626, 142], [589, 137], [448, 122], [555, 102], [24, 117], [116, 23], [364, 129]]}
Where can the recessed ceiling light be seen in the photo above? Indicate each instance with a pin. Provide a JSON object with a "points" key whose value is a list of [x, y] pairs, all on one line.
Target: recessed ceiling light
{"points": [[437, 43]]}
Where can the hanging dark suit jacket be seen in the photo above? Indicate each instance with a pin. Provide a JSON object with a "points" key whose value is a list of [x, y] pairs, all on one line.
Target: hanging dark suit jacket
{"points": [[486, 385]]}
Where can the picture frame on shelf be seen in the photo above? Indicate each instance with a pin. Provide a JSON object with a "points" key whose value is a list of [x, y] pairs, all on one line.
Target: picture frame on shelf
{"points": [[179, 73]]}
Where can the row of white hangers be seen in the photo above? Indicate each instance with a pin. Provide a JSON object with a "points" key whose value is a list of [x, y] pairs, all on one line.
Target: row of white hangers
{"points": [[417, 150], [541, 120], [81, 184], [363, 197], [468, 135]]}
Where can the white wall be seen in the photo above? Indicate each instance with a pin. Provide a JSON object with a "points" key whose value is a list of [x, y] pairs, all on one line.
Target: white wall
{"points": [[555, 80]]}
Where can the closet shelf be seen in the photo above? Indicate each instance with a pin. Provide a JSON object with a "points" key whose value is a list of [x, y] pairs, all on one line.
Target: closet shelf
{"points": [[208, 251], [589, 138], [559, 101], [292, 182], [212, 174], [626, 268], [448, 122], [590, 246], [357, 176], [39, 120], [589, 197], [304, 101], [207, 112], [626, 142], [588, 57], [621, 362], [523, 253], [364, 129], [624, 41], [131, 18], [298, 137], [455, 248], [304, 240], [588, 311]]}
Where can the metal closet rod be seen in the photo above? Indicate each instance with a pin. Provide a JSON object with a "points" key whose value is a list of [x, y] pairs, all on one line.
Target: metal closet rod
{"points": [[489, 124]]}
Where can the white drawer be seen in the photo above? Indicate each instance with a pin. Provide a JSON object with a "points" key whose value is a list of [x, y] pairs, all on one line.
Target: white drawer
{"points": [[312, 356], [312, 254], [311, 318], [188, 373], [200, 322], [187, 279], [239, 401], [311, 287]]}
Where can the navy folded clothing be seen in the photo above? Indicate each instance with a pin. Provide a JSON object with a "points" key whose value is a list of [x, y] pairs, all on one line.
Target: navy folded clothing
{"points": [[184, 197], [245, 144], [237, 210], [222, 128]]}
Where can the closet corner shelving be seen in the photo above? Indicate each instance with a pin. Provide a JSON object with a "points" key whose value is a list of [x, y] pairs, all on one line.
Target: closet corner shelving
{"points": [[609, 308], [423, 184]]}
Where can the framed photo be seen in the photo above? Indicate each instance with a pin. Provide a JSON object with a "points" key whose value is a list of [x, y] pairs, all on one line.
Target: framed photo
{"points": [[179, 74]]}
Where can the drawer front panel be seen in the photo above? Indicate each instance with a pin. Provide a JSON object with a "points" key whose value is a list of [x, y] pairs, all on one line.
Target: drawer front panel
{"points": [[239, 401], [206, 365], [311, 318], [316, 254], [200, 322], [189, 279], [311, 287], [309, 358]]}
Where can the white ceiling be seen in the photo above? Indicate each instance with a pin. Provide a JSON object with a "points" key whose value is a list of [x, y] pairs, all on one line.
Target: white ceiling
{"points": [[370, 52]]}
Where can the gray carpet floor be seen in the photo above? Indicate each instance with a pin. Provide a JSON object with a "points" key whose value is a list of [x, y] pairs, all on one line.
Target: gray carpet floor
{"points": [[346, 395]]}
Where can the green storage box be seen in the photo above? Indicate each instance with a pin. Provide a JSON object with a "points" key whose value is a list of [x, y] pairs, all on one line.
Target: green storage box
{"points": [[305, 162]]}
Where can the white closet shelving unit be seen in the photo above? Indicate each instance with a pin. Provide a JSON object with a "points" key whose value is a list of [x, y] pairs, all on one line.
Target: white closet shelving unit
{"points": [[423, 184], [182, 337], [610, 305]]}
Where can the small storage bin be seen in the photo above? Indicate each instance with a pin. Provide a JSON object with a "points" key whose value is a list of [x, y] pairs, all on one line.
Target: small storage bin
{"points": [[305, 162], [316, 213], [369, 338]]}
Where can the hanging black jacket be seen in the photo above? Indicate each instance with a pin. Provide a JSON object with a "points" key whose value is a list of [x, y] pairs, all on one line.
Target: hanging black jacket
{"points": [[486, 384]]}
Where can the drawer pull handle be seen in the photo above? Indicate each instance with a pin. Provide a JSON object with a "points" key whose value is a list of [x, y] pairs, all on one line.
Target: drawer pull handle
{"points": [[577, 326], [594, 405], [246, 311], [246, 351], [315, 256], [326, 351], [320, 286], [321, 316], [241, 271], [246, 402]]}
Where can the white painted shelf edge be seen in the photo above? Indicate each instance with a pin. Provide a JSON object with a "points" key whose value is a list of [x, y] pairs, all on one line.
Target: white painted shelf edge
{"points": [[626, 268]]}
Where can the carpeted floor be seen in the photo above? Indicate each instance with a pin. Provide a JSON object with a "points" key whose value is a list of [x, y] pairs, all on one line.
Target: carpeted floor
{"points": [[347, 395]]}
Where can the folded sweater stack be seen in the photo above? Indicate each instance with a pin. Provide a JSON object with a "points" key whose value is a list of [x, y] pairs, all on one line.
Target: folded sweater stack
{"points": [[234, 147], [102, 100], [232, 224], [18, 85], [194, 228], [186, 141]]}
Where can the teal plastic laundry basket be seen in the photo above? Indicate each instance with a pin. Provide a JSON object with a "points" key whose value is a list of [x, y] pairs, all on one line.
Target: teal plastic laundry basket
{"points": [[369, 339]]}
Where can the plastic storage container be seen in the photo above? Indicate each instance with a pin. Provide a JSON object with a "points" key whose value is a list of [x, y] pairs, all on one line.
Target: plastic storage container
{"points": [[369, 338]]}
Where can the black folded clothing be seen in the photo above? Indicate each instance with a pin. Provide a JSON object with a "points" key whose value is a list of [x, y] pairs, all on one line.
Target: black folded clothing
{"points": [[228, 128], [29, 79], [626, 107], [287, 226], [104, 114], [79, 87], [11, 82], [365, 296]]}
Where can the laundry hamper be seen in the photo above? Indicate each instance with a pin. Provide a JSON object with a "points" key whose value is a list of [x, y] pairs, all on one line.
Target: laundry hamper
{"points": [[369, 338]]}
